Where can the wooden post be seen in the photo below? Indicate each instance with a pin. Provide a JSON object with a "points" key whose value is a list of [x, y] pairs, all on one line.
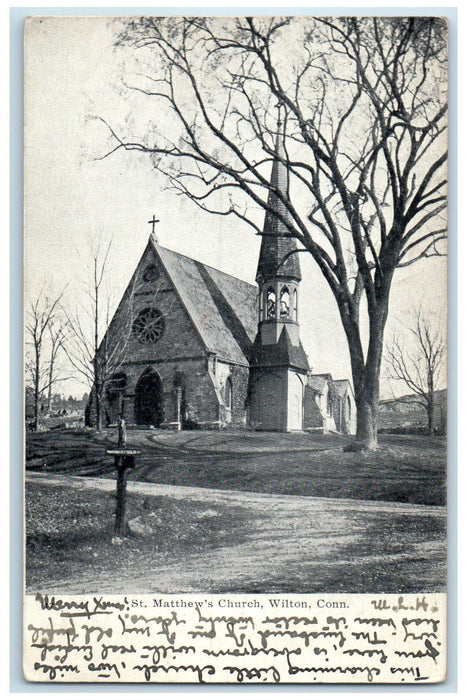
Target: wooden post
{"points": [[123, 459], [119, 528]]}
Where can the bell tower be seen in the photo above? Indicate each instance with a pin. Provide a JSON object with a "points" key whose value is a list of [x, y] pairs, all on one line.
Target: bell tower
{"points": [[279, 366], [278, 273]]}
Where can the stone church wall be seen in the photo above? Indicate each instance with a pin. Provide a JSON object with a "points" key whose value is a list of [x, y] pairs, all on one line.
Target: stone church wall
{"points": [[312, 414], [201, 401], [177, 353], [163, 371], [179, 339], [269, 400], [239, 377]]}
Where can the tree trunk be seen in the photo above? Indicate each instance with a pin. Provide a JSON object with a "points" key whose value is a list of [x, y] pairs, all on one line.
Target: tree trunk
{"points": [[366, 378], [99, 403], [49, 392], [98, 412], [36, 389], [97, 369], [367, 400], [430, 413]]}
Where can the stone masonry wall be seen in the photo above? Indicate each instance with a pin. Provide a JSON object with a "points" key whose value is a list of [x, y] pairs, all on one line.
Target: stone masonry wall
{"points": [[239, 377], [178, 352], [312, 415]]}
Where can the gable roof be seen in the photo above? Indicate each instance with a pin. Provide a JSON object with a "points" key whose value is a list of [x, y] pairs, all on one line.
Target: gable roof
{"points": [[221, 307], [318, 382], [339, 386]]}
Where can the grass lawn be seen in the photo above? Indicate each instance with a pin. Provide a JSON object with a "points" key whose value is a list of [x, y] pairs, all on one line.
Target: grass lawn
{"points": [[252, 535], [406, 469], [70, 531]]}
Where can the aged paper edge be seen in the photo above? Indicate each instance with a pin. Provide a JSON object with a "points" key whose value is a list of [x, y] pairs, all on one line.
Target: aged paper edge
{"points": [[276, 638]]}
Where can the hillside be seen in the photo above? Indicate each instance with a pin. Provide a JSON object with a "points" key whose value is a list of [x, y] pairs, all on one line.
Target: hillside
{"points": [[405, 415]]}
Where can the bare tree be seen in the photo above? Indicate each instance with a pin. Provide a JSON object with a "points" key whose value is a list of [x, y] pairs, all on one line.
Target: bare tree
{"points": [[88, 325], [45, 337], [58, 333], [364, 119], [419, 362]]}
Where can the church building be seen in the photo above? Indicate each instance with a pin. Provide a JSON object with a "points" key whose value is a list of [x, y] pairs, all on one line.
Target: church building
{"points": [[193, 347]]}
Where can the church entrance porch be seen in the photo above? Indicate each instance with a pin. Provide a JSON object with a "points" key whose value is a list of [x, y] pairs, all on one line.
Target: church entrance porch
{"points": [[148, 399]]}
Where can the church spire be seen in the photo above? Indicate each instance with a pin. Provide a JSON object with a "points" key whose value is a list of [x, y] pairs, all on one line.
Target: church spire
{"points": [[277, 242]]}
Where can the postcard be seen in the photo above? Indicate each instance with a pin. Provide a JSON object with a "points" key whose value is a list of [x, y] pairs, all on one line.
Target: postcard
{"points": [[235, 238]]}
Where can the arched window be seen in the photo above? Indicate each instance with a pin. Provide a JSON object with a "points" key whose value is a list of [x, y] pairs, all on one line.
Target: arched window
{"points": [[260, 304], [294, 316], [284, 302], [349, 408], [228, 393], [329, 404], [270, 303]]}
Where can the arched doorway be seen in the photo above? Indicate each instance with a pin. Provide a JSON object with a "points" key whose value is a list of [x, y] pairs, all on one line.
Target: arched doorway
{"points": [[148, 399]]}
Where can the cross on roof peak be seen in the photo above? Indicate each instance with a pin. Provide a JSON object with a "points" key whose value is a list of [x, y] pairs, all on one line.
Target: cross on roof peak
{"points": [[153, 221]]}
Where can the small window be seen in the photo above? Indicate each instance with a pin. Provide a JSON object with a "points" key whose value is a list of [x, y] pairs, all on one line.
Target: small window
{"points": [[349, 408], [271, 303], [117, 382], [284, 302], [295, 305], [151, 273]]}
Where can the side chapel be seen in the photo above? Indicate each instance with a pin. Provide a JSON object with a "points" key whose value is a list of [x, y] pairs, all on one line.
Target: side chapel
{"points": [[194, 347]]}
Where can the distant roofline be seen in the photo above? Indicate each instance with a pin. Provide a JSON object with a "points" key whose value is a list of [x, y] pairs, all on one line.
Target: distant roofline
{"points": [[210, 267]]}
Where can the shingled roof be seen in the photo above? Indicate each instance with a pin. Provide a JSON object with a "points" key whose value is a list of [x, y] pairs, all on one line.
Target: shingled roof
{"points": [[318, 382], [221, 307], [277, 244], [339, 386], [281, 354]]}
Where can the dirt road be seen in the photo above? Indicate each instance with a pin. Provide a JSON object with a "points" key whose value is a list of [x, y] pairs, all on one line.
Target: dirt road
{"points": [[293, 543]]}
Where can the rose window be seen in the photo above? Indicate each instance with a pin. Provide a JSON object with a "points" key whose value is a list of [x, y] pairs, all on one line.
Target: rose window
{"points": [[149, 326]]}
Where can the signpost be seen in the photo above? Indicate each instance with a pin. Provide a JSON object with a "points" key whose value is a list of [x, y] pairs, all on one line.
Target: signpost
{"points": [[124, 459]]}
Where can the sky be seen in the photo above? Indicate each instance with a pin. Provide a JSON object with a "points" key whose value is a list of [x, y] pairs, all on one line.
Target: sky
{"points": [[73, 77]]}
